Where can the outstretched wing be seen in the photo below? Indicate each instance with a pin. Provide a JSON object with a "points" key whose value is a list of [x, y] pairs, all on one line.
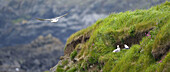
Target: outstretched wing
{"points": [[62, 15], [43, 19]]}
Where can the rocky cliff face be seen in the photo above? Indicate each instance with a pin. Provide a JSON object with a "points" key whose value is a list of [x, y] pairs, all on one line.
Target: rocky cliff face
{"points": [[146, 32], [38, 56], [18, 24]]}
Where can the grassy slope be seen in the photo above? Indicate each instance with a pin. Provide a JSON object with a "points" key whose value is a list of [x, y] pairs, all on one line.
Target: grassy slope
{"points": [[105, 33]]}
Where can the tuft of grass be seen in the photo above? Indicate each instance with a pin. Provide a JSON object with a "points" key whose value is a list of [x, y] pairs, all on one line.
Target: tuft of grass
{"points": [[73, 54], [162, 37], [165, 64], [132, 31], [92, 60], [60, 69], [73, 69], [65, 62]]}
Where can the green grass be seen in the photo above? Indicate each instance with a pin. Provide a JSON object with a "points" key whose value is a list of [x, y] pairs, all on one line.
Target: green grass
{"points": [[60, 69], [163, 36], [65, 62], [73, 54], [72, 69], [165, 65], [105, 33]]}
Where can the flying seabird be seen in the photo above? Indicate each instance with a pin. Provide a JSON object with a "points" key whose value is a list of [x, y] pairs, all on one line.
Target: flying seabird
{"points": [[117, 50], [126, 46], [53, 20]]}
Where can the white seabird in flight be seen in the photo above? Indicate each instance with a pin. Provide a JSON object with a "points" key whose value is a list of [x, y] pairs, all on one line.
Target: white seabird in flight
{"points": [[117, 50], [53, 20], [126, 46]]}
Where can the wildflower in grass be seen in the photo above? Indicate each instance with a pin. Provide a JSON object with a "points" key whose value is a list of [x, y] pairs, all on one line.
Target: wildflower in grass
{"points": [[160, 61], [148, 35], [156, 23], [92, 45]]}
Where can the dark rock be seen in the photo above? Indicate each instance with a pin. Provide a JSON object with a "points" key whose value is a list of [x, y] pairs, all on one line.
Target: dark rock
{"points": [[79, 39], [161, 51], [30, 58]]}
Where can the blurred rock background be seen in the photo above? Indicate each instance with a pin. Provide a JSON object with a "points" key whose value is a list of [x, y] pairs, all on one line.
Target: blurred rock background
{"points": [[37, 56], [35, 46]]}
